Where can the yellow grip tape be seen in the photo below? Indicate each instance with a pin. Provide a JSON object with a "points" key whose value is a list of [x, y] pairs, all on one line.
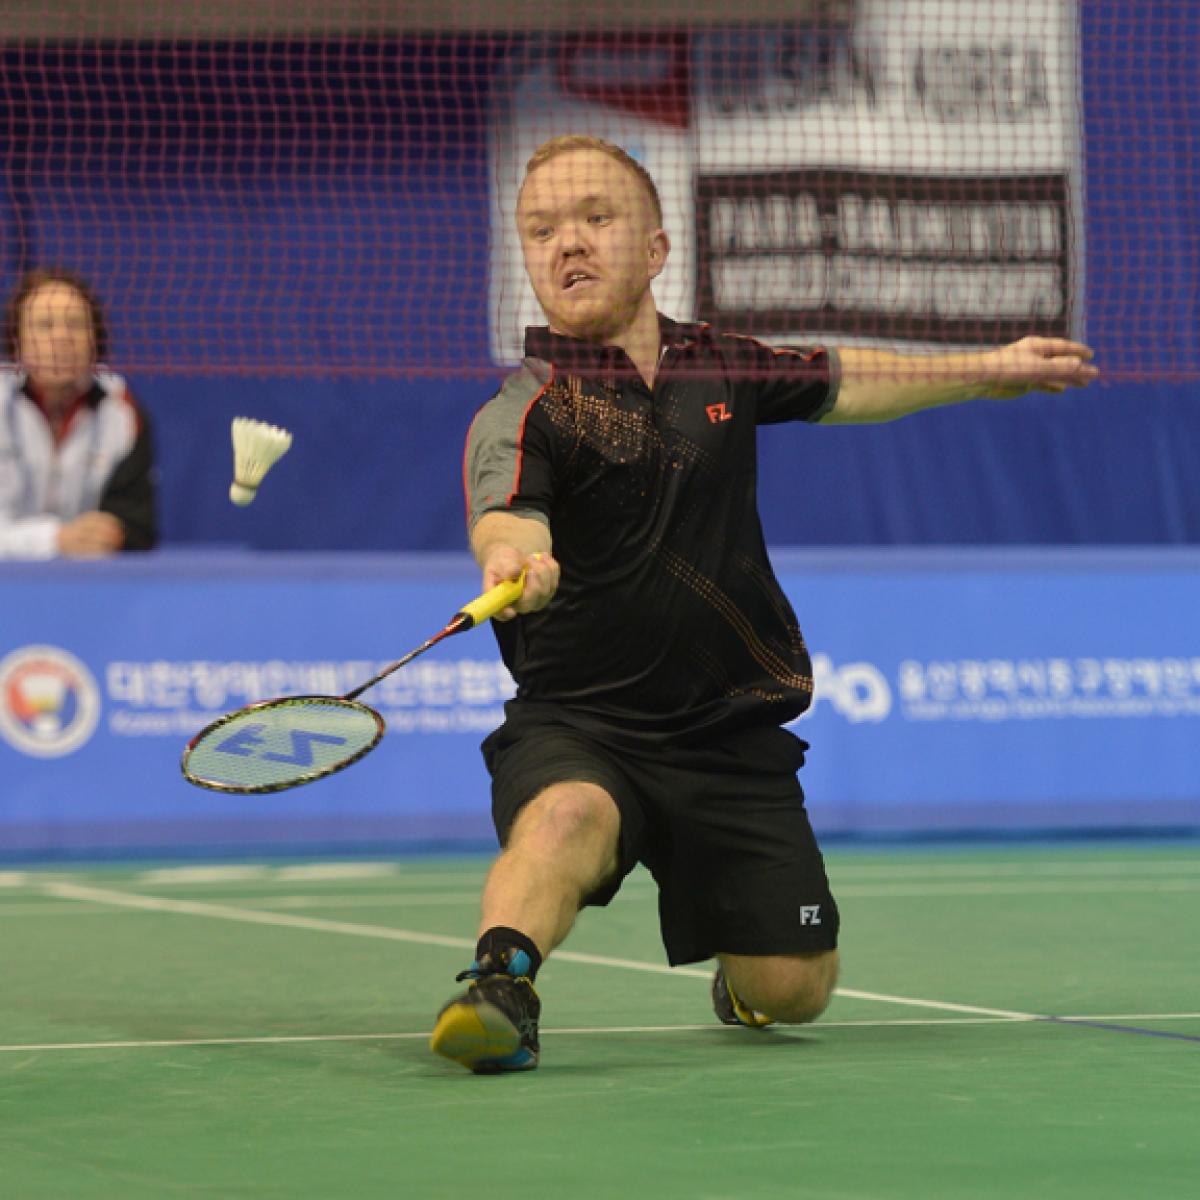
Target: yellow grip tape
{"points": [[494, 600]]}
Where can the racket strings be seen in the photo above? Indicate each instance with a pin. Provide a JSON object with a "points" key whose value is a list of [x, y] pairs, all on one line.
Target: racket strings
{"points": [[276, 745]]}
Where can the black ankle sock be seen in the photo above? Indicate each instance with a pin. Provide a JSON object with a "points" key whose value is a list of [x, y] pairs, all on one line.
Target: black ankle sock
{"points": [[510, 950]]}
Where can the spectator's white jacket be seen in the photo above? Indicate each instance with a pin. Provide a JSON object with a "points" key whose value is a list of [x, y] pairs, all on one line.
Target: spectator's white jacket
{"points": [[104, 461]]}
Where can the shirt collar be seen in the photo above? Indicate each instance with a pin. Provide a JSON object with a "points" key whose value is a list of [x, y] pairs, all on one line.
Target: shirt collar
{"points": [[581, 357], [89, 398]]}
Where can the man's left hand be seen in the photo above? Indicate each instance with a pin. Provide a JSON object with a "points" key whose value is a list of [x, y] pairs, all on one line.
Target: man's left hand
{"points": [[1037, 364]]}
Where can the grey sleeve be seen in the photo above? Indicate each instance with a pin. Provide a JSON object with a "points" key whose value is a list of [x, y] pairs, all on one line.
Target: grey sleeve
{"points": [[507, 465]]}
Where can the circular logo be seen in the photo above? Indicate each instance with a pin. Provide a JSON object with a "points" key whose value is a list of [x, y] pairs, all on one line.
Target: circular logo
{"points": [[49, 702]]}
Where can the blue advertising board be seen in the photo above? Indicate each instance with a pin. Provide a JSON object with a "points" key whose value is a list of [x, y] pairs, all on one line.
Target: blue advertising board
{"points": [[964, 691], [1002, 690]]}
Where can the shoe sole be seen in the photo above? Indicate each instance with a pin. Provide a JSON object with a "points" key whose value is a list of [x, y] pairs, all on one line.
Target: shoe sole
{"points": [[738, 1013], [481, 1038]]}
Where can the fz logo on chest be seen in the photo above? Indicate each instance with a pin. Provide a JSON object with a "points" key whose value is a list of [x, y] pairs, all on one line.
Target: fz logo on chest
{"points": [[718, 412]]}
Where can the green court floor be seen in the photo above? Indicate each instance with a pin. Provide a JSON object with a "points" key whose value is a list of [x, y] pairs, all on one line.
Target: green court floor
{"points": [[1011, 1023]]}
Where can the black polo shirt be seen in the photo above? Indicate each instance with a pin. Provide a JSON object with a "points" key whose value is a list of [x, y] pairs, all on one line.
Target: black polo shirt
{"points": [[668, 621]]}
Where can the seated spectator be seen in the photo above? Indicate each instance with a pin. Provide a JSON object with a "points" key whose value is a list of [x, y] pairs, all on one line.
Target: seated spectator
{"points": [[77, 472]]}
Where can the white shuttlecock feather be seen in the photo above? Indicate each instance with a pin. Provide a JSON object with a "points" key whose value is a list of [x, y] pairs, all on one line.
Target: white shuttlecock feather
{"points": [[257, 446]]}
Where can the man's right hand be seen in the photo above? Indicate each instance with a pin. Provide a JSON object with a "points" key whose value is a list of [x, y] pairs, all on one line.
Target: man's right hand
{"points": [[91, 535], [541, 577]]}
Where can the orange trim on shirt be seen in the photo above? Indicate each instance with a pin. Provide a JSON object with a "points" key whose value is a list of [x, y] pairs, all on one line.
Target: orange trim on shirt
{"points": [[778, 350], [521, 439]]}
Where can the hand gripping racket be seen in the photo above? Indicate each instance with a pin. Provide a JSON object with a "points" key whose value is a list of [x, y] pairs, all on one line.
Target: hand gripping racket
{"points": [[278, 744]]}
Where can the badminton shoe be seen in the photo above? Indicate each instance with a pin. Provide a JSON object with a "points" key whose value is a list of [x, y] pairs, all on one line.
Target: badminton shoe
{"points": [[493, 1026], [730, 1010]]}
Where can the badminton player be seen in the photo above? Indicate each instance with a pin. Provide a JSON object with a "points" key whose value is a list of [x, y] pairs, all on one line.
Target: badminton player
{"points": [[77, 475], [656, 656]]}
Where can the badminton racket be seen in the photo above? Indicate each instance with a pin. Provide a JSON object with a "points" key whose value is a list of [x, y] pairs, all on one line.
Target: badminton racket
{"points": [[278, 744]]}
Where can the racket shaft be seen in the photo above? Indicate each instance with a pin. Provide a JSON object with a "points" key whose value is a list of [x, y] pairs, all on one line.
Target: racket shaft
{"points": [[400, 662], [492, 601]]}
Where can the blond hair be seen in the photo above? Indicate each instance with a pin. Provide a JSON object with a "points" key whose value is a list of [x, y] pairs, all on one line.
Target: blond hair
{"points": [[582, 141]]}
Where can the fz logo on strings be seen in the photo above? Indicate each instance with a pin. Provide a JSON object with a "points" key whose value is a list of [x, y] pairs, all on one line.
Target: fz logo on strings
{"points": [[247, 743], [718, 412]]}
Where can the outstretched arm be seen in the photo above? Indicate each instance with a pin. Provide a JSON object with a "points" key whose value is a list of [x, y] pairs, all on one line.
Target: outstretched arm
{"points": [[506, 544], [880, 386]]}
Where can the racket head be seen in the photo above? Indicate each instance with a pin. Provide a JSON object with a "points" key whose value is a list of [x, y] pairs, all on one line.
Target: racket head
{"points": [[279, 744]]}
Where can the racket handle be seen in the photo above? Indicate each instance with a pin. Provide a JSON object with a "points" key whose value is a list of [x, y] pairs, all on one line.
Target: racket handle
{"points": [[492, 601]]}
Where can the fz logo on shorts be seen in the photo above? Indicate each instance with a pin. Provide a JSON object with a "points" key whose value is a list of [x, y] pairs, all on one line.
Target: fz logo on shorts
{"points": [[810, 914]]}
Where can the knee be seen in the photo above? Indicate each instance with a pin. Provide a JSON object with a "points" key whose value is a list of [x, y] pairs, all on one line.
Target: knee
{"points": [[803, 1003], [791, 989], [568, 815]]}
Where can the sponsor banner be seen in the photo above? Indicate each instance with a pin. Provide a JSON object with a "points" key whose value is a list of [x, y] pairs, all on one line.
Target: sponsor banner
{"points": [[909, 174], [95, 713], [899, 171], [898, 258], [1008, 689], [988, 690], [445, 695], [955, 691]]}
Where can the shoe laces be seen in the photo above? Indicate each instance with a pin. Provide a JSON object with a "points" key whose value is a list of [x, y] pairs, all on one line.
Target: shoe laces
{"points": [[481, 968]]}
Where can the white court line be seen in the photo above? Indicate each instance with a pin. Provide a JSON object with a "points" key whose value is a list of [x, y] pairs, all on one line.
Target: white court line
{"points": [[940, 1005], [249, 916], [59, 908], [222, 874], [318, 924], [707, 1027], [256, 903], [226, 912], [214, 873], [1184, 1016], [914, 891], [399, 874], [853, 872], [934, 870], [849, 891], [1031, 887]]}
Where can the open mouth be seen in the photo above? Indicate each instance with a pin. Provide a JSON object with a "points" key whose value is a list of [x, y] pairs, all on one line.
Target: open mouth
{"points": [[576, 279]]}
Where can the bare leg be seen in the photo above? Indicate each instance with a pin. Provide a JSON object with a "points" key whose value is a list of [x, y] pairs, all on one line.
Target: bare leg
{"points": [[562, 846]]}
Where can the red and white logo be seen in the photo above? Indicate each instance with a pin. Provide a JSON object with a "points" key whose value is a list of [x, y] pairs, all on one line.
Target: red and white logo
{"points": [[49, 701]]}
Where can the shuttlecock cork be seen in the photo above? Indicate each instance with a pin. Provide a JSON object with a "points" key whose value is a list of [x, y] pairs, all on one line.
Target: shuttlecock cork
{"points": [[257, 446]]}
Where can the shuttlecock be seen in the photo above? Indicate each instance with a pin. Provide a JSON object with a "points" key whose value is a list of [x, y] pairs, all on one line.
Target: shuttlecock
{"points": [[257, 446]]}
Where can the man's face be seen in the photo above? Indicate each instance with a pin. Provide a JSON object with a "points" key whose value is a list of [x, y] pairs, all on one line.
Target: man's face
{"points": [[590, 243], [55, 338]]}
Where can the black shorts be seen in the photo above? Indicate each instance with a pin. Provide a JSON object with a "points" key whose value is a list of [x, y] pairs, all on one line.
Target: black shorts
{"points": [[722, 828]]}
